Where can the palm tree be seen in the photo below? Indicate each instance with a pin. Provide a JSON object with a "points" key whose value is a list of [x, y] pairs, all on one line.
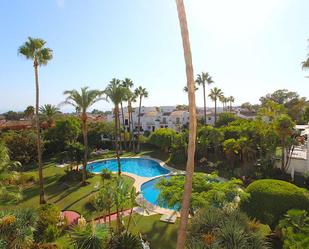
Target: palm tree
{"points": [[215, 94], [130, 97], [116, 92], [181, 239], [29, 112], [203, 79], [128, 83], [222, 100], [185, 89], [82, 101], [231, 100], [49, 112], [305, 64], [141, 93], [34, 49]]}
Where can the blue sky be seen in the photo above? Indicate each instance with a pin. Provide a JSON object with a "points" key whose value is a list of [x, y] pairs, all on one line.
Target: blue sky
{"points": [[249, 47]]}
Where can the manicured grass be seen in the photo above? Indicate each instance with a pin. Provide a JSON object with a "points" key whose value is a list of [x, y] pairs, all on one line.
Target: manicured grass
{"points": [[67, 196], [161, 235], [73, 196]]}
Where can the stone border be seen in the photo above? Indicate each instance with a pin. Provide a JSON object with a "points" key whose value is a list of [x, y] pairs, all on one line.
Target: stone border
{"points": [[140, 180]]}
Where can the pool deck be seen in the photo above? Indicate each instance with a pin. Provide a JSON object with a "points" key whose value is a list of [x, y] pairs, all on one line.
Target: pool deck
{"points": [[146, 208]]}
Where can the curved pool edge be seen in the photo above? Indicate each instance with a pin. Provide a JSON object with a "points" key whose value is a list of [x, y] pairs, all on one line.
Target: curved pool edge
{"points": [[140, 180]]}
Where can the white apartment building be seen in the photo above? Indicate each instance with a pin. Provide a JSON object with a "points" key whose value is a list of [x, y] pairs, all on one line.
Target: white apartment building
{"points": [[152, 118]]}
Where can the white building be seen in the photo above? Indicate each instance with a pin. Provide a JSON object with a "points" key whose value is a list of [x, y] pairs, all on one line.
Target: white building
{"points": [[299, 163], [152, 118]]}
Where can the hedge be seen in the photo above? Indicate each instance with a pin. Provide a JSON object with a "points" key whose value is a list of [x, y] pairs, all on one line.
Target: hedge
{"points": [[271, 199]]}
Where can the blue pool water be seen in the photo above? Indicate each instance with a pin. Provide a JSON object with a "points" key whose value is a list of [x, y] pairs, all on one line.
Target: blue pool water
{"points": [[151, 193], [137, 166]]}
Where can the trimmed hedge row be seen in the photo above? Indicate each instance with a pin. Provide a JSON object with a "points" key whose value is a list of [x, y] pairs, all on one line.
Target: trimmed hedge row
{"points": [[271, 199]]}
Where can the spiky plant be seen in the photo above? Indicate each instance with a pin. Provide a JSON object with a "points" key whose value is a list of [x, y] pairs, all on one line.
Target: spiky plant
{"points": [[91, 236]]}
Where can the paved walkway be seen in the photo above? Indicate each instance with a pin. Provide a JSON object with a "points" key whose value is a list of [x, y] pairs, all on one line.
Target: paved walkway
{"points": [[139, 181], [113, 216]]}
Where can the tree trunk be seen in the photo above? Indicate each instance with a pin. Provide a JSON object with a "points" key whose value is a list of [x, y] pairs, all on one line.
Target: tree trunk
{"points": [[124, 128], [139, 123], [282, 157], [116, 139], [84, 128], [205, 120], [215, 111], [38, 137], [119, 133], [129, 123], [130, 216], [133, 138], [181, 239]]}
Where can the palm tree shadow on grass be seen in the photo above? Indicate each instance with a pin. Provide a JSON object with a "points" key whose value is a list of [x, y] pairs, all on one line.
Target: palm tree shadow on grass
{"points": [[155, 236], [34, 190]]}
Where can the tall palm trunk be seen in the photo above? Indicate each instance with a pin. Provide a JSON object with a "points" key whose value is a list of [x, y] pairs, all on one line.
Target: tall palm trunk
{"points": [[132, 130], [123, 125], [116, 138], [119, 133], [38, 137], [139, 123], [282, 156], [85, 138], [205, 120], [192, 126], [215, 111], [129, 123]]}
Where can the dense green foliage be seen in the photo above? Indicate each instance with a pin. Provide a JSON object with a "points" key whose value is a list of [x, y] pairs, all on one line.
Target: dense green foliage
{"points": [[126, 241], [215, 228], [66, 131], [92, 236], [21, 146], [207, 191], [294, 228], [99, 130], [48, 225], [225, 118], [271, 199], [163, 138], [16, 228]]}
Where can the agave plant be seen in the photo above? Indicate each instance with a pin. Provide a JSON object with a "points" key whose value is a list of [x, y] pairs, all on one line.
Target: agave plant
{"points": [[91, 236], [16, 228], [126, 241]]}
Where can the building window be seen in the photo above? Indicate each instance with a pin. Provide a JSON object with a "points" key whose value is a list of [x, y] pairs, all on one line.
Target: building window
{"points": [[126, 122]]}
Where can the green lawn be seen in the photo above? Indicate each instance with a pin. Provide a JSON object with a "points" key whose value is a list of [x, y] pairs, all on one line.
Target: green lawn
{"points": [[73, 196], [161, 235], [67, 196]]}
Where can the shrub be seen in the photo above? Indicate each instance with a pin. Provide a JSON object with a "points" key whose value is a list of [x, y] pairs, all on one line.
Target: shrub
{"points": [[214, 228], [106, 174], [294, 229], [163, 138], [21, 145], [49, 218], [271, 199], [51, 233], [27, 177], [225, 118], [126, 241]]}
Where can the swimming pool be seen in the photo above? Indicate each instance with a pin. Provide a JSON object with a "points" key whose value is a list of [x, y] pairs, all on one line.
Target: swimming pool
{"points": [[151, 193], [138, 166]]}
